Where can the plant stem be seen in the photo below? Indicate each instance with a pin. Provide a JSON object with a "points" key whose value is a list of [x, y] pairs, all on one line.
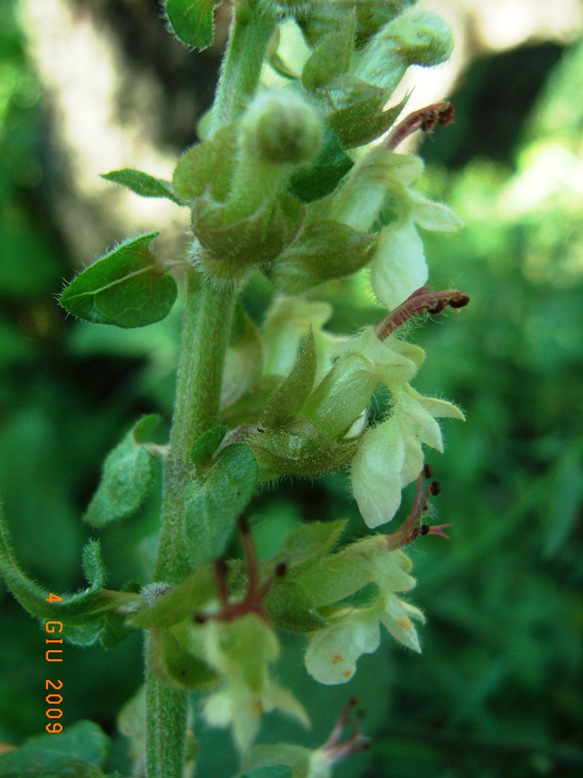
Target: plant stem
{"points": [[251, 30], [206, 329]]}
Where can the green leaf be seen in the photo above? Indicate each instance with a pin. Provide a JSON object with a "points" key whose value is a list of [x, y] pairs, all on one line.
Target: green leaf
{"points": [[322, 175], [332, 57], [362, 117], [192, 21], [128, 473], [78, 751], [300, 449], [243, 363], [323, 251], [270, 771], [82, 613], [296, 759], [289, 606], [174, 664], [208, 167], [180, 603], [142, 184], [307, 542], [127, 287], [211, 507], [205, 446], [288, 397]]}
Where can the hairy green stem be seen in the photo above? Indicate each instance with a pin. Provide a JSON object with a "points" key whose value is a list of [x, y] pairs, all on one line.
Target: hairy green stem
{"points": [[251, 30], [207, 325]]}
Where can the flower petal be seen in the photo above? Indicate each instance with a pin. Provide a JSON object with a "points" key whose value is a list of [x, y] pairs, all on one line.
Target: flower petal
{"points": [[376, 473], [433, 216], [333, 651], [398, 266], [396, 616]]}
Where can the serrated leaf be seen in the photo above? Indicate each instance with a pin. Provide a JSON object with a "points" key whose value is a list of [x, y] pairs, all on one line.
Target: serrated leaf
{"points": [[288, 397], [142, 184], [192, 21], [322, 175], [127, 287], [128, 473], [212, 506], [78, 751]]}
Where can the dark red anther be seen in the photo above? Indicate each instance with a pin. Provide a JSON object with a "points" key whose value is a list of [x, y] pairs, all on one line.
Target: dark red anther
{"points": [[412, 527], [423, 300], [435, 488], [425, 119]]}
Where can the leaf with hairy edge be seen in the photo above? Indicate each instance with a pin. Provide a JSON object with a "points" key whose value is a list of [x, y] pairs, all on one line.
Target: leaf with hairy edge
{"points": [[128, 473], [127, 287], [211, 507], [142, 184], [79, 751], [192, 21], [80, 612]]}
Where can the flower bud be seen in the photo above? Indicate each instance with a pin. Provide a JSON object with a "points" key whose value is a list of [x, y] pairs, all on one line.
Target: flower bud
{"points": [[280, 127], [416, 37]]}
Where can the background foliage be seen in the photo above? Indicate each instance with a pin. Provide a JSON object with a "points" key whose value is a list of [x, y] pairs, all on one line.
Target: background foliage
{"points": [[495, 692]]}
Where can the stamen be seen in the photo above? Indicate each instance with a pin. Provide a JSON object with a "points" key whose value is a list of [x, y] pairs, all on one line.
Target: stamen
{"points": [[412, 527], [425, 119], [256, 592], [422, 299], [334, 748]]}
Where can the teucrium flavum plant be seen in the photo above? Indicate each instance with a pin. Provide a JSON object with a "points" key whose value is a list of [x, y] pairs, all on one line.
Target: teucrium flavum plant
{"points": [[283, 182]]}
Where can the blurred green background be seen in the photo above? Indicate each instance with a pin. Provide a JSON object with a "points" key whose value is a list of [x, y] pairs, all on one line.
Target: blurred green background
{"points": [[497, 689]]}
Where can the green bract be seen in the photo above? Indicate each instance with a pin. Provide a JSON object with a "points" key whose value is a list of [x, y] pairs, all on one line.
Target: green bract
{"points": [[127, 287]]}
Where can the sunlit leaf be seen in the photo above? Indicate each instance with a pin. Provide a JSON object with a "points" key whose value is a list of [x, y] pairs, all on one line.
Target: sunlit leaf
{"points": [[142, 184], [192, 21], [127, 287]]}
